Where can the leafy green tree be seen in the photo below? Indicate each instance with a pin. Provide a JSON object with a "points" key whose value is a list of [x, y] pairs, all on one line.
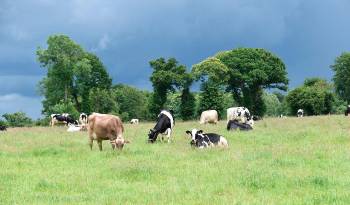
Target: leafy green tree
{"points": [[252, 70], [315, 97], [272, 104], [174, 103], [65, 107], [132, 102], [213, 74], [103, 101], [341, 78], [18, 119], [71, 73], [167, 76], [188, 104]]}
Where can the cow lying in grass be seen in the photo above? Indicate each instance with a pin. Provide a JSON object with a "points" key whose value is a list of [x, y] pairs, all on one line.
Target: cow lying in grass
{"points": [[206, 140], [234, 125], [106, 127]]}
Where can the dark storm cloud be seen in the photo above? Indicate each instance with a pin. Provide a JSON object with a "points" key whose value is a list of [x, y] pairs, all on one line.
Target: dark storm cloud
{"points": [[126, 35]]}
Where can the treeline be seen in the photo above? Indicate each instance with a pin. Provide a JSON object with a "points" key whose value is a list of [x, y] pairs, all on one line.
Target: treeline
{"points": [[77, 81]]}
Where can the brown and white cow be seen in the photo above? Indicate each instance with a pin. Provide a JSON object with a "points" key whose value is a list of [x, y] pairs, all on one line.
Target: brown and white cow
{"points": [[106, 127]]}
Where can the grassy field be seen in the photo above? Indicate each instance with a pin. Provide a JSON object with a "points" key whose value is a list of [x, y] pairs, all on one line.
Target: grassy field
{"points": [[283, 161]]}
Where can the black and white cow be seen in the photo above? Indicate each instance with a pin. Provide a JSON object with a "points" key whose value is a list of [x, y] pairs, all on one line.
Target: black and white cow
{"points": [[64, 118], [347, 111], [234, 125], [300, 113], [165, 124], [206, 140], [3, 128], [83, 118], [241, 114]]}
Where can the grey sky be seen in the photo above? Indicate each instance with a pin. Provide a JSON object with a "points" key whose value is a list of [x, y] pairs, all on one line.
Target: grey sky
{"points": [[126, 35]]}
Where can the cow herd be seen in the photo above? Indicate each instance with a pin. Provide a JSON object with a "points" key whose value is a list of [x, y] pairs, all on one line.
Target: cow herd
{"points": [[110, 127]]}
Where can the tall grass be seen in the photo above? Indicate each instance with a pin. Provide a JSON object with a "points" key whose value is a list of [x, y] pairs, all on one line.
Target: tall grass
{"points": [[282, 161]]}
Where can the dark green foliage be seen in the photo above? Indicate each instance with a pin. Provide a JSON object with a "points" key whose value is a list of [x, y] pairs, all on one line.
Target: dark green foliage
{"points": [[17, 119], [211, 98], [341, 78], [167, 75], [65, 107], [3, 123], [103, 101], [71, 74], [315, 97], [187, 106], [133, 103], [213, 75], [250, 71]]}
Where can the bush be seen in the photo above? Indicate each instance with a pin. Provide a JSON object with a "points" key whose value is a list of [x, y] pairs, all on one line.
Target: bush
{"points": [[18, 119]]}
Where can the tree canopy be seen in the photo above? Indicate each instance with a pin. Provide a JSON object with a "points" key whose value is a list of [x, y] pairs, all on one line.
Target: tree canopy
{"points": [[341, 78], [71, 73]]}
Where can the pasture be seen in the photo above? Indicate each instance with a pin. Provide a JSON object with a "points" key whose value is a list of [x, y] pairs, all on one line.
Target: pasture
{"points": [[282, 161]]}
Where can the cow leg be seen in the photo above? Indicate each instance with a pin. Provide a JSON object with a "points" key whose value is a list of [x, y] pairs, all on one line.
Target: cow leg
{"points": [[91, 141], [99, 142], [168, 134]]}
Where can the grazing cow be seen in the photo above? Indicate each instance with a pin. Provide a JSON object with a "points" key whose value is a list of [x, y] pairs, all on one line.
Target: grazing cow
{"points": [[347, 111], [205, 140], [239, 113], [3, 128], [300, 113], [235, 124], [106, 127], [209, 116], [64, 118], [134, 121], [164, 125]]}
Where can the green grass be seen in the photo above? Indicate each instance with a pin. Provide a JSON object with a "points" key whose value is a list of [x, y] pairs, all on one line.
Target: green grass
{"points": [[283, 161]]}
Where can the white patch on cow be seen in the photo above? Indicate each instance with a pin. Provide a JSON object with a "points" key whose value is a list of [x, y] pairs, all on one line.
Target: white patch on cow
{"points": [[169, 116], [73, 128]]}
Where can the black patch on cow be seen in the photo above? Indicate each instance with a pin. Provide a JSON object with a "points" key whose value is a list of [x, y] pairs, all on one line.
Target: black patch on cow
{"points": [[234, 125], [67, 119], [163, 123], [3, 128], [347, 111], [205, 139]]}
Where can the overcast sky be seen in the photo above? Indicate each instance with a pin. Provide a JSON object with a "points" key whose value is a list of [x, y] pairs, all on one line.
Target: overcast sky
{"points": [[126, 35]]}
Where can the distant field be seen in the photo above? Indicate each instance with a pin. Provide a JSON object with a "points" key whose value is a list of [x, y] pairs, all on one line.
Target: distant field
{"points": [[283, 161]]}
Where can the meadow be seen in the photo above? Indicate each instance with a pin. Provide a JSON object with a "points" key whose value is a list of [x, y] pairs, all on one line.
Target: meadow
{"points": [[282, 161]]}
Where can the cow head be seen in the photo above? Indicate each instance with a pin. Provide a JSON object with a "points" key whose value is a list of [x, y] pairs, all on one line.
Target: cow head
{"points": [[197, 138], [119, 142], [152, 136]]}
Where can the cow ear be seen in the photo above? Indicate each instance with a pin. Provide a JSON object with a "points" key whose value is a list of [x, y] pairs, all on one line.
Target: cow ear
{"points": [[188, 132], [127, 141], [200, 131]]}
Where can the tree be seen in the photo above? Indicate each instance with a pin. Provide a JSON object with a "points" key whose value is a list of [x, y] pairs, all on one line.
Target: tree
{"points": [[17, 119], [103, 101], [132, 102], [252, 70], [71, 73], [166, 76], [65, 107], [272, 104], [213, 75], [315, 97], [341, 78]]}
